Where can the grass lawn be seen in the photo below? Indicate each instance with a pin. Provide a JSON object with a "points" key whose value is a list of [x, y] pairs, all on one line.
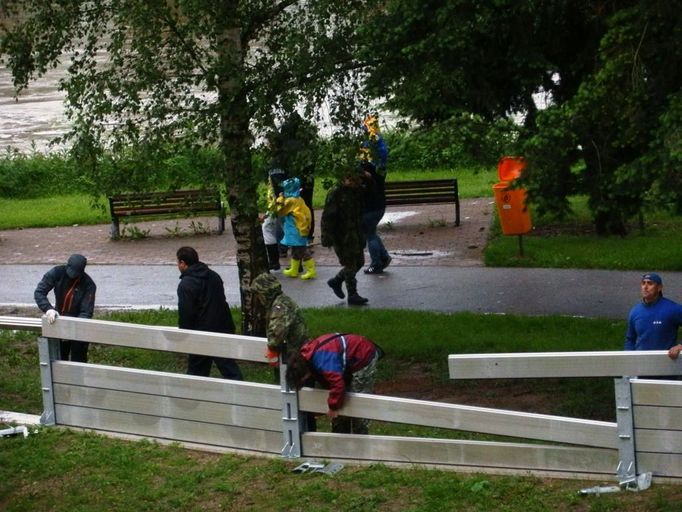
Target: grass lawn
{"points": [[574, 244], [45, 212], [68, 210]]}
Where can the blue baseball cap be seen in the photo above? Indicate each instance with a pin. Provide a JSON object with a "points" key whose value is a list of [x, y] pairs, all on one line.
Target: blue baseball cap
{"points": [[654, 277]]}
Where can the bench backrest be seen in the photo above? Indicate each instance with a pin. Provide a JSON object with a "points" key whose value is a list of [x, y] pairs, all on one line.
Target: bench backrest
{"points": [[419, 192], [151, 203]]}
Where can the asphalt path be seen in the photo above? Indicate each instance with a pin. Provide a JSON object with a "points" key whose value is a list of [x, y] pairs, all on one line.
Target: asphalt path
{"points": [[587, 293]]}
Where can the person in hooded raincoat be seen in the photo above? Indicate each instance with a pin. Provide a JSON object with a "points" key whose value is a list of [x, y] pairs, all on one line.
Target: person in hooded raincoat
{"points": [[296, 224], [284, 322]]}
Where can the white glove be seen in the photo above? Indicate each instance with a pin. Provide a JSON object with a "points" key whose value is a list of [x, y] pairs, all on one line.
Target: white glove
{"points": [[51, 315]]}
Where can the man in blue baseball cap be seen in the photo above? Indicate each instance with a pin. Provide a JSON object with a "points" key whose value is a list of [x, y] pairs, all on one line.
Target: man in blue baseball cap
{"points": [[654, 322]]}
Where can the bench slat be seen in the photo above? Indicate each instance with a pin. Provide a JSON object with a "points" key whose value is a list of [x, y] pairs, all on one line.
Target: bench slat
{"points": [[423, 192]]}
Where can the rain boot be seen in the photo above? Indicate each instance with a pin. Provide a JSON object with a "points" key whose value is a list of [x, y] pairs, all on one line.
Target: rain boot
{"points": [[353, 298], [292, 271], [273, 256], [309, 269], [335, 284]]}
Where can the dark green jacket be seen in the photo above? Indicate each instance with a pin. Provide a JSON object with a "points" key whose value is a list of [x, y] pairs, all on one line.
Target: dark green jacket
{"points": [[342, 219]]}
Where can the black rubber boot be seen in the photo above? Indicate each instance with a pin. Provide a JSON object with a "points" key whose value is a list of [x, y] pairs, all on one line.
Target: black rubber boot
{"points": [[335, 284], [355, 300], [273, 256]]}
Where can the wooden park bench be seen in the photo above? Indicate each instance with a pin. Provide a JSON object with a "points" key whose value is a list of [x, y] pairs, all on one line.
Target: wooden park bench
{"points": [[178, 203], [423, 192]]}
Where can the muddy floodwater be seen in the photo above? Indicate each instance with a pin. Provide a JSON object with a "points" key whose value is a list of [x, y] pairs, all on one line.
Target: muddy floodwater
{"points": [[34, 117]]}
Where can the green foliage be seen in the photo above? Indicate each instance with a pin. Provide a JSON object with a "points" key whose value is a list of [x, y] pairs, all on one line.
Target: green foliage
{"points": [[337, 156], [188, 74], [611, 138], [611, 75], [441, 58], [146, 169], [38, 175], [666, 154], [461, 141]]}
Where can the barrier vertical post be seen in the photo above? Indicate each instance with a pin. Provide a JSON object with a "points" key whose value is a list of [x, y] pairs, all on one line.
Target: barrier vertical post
{"points": [[48, 351], [291, 424], [627, 459]]}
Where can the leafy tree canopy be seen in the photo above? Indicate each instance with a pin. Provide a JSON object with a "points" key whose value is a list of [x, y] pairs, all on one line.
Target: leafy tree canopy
{"points": [[610, 69], [149, 77]]}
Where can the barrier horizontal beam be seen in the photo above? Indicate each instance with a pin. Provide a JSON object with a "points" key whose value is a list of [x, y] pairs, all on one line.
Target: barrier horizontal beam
{"points": [[170, 429], [445, 452], [169, 407], [562, 364], [169, 339], [657, 392], [18, 418], [659, 441], [651, 416], [663, 464], [168, 384], [20, 323], [542, 427]]}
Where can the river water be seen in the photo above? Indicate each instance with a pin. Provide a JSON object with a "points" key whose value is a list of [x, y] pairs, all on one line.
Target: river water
{"points": [[34, 117]]}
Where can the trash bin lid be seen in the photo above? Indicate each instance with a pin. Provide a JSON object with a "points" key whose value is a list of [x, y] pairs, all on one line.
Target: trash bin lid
{"points": [[510, 167]]}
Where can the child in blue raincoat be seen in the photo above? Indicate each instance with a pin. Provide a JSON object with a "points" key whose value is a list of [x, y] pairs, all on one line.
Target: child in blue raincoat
{"points": [[297, 220]]}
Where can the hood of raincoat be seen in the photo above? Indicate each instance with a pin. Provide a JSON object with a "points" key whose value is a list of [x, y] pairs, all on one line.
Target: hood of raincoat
{"points": [[267, 287], [292, 187]]}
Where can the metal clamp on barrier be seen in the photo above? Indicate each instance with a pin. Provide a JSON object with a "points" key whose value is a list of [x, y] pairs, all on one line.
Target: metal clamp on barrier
{"points": [[312, 466], [14, 431]]}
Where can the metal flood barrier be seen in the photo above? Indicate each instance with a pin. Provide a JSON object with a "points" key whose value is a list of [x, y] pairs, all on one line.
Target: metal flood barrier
{"points": [[264, 419]]}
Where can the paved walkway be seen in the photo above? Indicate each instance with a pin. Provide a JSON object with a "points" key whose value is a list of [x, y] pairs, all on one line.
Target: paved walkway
{"points": [[589, 293], [436, 267]]}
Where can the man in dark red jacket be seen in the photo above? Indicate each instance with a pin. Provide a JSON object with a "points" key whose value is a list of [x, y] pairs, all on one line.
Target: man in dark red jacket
{"points": [[202, 307], [340, 363]]}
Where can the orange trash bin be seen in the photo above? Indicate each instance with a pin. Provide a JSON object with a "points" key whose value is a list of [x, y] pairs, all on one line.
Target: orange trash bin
{"points": [[511, 203]]}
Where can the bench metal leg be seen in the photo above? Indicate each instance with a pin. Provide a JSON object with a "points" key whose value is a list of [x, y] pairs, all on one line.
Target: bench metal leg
{"points": [[221, 222], [456, 203], [115, 229]]}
